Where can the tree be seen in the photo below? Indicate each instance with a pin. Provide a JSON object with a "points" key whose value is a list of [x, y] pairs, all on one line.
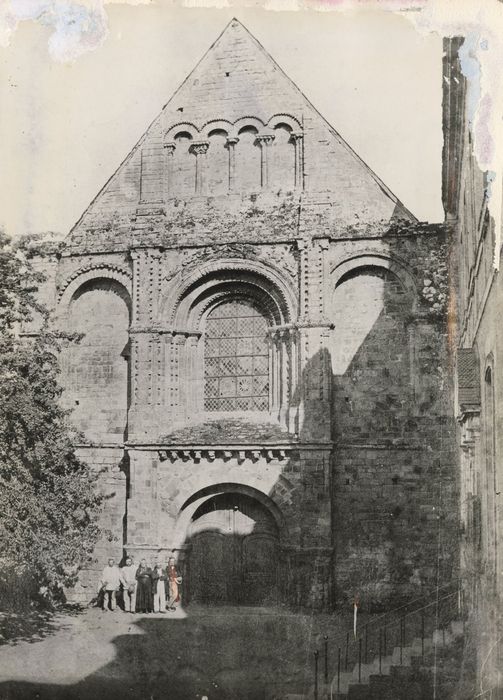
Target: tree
{"points": [[49, 503]]}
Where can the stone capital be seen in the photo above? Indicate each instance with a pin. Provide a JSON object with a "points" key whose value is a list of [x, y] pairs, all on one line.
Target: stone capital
{"points": [[199, 148], [264, 139]]}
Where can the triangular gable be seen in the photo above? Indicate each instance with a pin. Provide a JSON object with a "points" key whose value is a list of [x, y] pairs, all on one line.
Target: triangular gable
{"points": [[237, 80]]}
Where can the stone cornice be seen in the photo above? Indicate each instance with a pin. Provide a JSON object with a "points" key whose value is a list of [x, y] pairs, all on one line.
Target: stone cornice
{"points": [[301, 324], [241, 452], [159, 330]]}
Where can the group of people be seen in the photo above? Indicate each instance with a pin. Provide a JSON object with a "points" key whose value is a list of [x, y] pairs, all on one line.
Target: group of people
{"points": [[145, 589]]}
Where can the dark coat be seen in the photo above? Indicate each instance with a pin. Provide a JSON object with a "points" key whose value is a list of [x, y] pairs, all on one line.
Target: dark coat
{"points": [[144, 597], [159, 575]]}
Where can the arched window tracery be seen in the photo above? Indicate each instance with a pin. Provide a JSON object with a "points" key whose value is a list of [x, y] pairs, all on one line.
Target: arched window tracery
{"points": [[234, 343], [236, 358]]}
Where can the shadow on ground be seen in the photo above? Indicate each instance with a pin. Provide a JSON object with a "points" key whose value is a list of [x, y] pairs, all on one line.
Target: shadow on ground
{"points": [[33, 625], [222, 653]]}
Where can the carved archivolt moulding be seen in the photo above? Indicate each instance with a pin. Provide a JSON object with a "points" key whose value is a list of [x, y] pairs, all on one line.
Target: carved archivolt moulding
{"points": [[212, 274], [98, 270], [368, 257], [232, 129]]}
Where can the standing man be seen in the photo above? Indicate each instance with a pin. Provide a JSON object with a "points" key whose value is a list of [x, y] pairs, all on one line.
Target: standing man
{"points": [[109, 584], [144, 597], [174, 580], [159, 588], [128, 580]]}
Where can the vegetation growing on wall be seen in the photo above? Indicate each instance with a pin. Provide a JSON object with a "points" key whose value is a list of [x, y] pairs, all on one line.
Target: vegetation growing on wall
{"points": [[48, 501]]}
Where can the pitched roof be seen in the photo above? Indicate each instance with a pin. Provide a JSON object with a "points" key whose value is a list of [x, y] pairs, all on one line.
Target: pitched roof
{"points": [[237, 78]]}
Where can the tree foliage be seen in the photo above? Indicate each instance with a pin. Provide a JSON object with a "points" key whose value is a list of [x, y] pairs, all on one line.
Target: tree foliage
{"points": [[49, 503]]}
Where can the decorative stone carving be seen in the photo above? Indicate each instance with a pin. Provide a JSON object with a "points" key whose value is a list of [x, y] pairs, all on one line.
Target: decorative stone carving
{"points": [[190, 258], [106, 269], [199, 148], [282, 256], [187, 454], [264, 141]]}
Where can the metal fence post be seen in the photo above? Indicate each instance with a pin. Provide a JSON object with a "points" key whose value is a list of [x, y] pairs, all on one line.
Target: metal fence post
{"points": [[326, 658], [338, 669], [422, 634], [360, 660], [316, 674], [380, 651]]}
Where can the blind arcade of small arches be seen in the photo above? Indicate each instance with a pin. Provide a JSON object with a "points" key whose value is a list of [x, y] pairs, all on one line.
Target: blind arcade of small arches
{"points": [[250, 161]]}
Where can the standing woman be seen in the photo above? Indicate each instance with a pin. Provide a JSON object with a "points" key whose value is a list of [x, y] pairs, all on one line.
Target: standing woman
{"points": [[144, 602]]}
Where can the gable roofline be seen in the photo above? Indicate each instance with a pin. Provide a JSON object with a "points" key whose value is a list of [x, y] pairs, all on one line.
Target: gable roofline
{"points": [[384, 188], [156, 118]]}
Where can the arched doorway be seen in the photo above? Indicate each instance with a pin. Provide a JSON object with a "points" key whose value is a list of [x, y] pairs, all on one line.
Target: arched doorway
{"points": [[233, 552]]}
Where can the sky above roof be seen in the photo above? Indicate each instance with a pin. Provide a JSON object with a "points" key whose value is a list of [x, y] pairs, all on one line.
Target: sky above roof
{"points": [[67, 127]]}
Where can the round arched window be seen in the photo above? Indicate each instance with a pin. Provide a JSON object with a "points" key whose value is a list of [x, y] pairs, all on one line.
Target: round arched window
{"points": [[236, 354]]}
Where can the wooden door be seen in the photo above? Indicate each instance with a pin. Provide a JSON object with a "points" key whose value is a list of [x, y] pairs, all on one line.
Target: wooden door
{"points": [[233, 552]]}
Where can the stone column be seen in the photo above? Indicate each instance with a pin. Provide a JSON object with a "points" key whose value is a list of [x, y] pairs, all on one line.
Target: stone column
{"points": [[146, 362], [178, 368], [168, 169], [298, 140], [199, 149], [264, 141], [195, 389], [294, 400], [314, 332], [276, 374], [231, 147], [270, 344], [284, 337]]}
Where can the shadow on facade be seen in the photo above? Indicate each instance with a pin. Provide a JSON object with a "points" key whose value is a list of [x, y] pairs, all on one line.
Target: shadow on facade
{"points": [[376, 520], [394, 511], [369, 502]]}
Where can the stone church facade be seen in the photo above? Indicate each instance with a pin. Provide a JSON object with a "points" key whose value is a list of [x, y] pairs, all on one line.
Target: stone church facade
{"points": [[263, 377]]}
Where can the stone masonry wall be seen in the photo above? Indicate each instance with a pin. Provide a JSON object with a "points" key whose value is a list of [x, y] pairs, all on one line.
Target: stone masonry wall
{"points": [[109, 463], [240, 190], [395, 489]]}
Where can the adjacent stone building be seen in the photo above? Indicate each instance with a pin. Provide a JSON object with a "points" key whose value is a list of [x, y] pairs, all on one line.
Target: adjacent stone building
{"points": [[479, 389], [263, 376]]}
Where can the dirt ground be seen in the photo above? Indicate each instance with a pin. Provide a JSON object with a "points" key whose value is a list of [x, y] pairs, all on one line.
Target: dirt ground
{"points": [[221, 653]]}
